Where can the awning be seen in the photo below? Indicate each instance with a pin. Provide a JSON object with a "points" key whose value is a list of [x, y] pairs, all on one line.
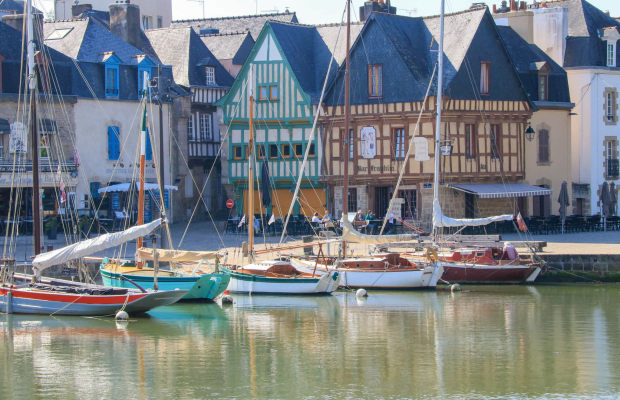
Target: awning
{"points": [[501, 190], [125, 187], [47, 127], [5, 127]]}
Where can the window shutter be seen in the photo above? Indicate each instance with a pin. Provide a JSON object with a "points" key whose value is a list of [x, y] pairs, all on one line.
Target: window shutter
{"points": [[543, 146], [113, 143], [149, 149]]}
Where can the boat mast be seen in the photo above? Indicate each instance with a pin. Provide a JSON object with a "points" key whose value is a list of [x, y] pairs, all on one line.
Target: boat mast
{"points": [[439, 106], [347, 136], [143, 139], [251, 159], [162, 194], [34, 134]]}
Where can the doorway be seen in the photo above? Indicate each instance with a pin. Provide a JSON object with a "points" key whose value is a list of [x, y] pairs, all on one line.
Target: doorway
{"points": [[382, 200], [470, 206], [542, 204]]}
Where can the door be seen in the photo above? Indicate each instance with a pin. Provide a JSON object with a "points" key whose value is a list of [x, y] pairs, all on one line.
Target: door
{"points": [[382, 200], [470, 206], [579, 206]]}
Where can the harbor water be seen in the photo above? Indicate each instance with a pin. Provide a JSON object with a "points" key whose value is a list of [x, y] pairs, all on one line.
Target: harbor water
{"points": [[485, 342]]}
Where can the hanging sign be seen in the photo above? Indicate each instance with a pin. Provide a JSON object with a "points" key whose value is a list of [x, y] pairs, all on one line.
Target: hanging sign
{"points": [[369, 142], [421, 149], [18, 142]]}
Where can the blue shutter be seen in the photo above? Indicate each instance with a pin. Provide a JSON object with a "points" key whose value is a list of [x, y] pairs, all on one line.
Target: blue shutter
{"points": [[94, 190], [114, 145], [149, 149]]}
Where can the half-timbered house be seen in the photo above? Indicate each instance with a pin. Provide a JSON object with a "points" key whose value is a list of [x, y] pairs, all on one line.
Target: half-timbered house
{"points": [[485, 114]]}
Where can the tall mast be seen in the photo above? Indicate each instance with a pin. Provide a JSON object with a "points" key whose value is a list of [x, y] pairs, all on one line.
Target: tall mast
{"points": [[347, 136], [143, 139], [251, 160], [34, 134], [439, 105], [161, 151]]}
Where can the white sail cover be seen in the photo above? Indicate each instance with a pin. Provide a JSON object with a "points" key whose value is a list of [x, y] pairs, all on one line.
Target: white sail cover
{"points": [[350, 234], [90, 246], [440, 220], [177, 255], [125, 187]]}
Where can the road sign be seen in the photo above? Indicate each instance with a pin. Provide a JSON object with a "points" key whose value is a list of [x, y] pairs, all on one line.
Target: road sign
{"points": [[229, 203]]}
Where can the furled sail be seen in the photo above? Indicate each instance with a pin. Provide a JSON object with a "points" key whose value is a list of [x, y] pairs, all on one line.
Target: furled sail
{"points": [[90, 246], [177, 255], [350, 234], [440, 220]]}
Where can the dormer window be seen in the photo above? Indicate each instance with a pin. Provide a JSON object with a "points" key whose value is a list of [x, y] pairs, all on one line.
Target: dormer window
{"points": [[485, 77], [210, 76], [112, 65], [143, 73], [611, 54], [542, 87]]}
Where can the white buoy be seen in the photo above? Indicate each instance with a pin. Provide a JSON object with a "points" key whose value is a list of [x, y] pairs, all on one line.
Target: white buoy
{"points": [[361, 293], [122, 316], [455, 287], [227, 299]]}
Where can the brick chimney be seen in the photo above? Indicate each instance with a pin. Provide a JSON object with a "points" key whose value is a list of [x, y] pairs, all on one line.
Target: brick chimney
{"points": [[513, 5], [78, 9], [371, 6], [125, 23]]}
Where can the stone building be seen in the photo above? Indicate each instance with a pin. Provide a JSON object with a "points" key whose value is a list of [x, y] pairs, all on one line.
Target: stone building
{"points": [[153, 13]]}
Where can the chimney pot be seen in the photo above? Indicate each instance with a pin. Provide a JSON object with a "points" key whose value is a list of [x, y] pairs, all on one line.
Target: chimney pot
{"points": [[494, 8], [543, 5], [125, 23], [78, 9], [607, 12], [523, 5], [513, 5]]}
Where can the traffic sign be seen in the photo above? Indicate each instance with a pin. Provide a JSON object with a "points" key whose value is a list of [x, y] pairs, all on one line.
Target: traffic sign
{"points": [[229, 203]]}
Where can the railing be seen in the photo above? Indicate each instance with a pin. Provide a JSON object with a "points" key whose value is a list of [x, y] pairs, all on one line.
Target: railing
{"points": [[613, 168]]}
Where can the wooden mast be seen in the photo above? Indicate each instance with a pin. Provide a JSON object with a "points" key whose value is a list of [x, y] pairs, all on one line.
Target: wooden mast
{"points": [[347, 101], [34, 134], [251, 160], [439, 106], [143, 139]]}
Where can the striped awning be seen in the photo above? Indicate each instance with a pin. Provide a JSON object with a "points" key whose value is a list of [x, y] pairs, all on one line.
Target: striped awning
{"points": [[5, 127], [500, 190]]}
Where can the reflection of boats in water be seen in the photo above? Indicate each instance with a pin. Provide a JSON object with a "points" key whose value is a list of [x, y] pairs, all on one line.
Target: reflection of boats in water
{"points": [[392, 300], [267, 301]]}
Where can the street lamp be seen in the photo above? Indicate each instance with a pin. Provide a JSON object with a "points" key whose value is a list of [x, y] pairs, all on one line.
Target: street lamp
{"points": [[529, 132]]}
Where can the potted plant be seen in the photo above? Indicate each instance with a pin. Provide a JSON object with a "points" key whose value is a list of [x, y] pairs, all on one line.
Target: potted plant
{"points": [[51, 226], [84, 224]]}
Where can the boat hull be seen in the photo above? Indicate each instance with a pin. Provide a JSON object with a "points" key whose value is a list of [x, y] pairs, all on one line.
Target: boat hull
{"points": [[201, 287], [489, 274], [381, 279], [26, 301], [256, 284]]}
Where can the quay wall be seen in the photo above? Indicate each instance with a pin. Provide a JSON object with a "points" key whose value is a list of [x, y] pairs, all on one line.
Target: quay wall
{"points": [[576, 267]]}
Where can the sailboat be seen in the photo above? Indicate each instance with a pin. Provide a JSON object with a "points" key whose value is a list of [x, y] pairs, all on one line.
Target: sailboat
{"points": [[273, 276], [120, 273]]}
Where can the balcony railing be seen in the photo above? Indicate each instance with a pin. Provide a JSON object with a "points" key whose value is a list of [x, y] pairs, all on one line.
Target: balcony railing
{"points": [[613, 168]]}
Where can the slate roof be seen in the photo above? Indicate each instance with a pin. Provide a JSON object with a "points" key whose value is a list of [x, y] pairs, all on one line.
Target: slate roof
{"points": [[583, 45], [230, 46], [182, 48], [528, 60], [308, 50], [16, 6], [252, 23]]}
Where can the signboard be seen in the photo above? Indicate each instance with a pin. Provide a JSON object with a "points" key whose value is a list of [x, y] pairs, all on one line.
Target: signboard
{"points": [[421, 149], [147, 207], [397, 207], [18, 141], [427, 186], [45, 179], [369, 142], [166, 198], [229, 203], [116, 201]]}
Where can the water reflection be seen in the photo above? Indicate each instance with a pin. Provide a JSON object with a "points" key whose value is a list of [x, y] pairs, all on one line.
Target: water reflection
{"points": [[511, 342]]}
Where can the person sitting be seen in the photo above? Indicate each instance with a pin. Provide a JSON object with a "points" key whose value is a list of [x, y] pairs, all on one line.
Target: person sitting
{"points": [[359, 216], [510, 252], [390, 224], [369, 218], [316, 219]]}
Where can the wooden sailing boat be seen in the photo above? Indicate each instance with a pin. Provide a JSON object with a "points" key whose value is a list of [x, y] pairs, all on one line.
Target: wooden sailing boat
{"points": [[120, 273], [63, 297], [272, 277]]}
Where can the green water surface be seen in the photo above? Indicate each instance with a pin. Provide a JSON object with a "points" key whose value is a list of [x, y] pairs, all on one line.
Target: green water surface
{"points": [[492, 342]]}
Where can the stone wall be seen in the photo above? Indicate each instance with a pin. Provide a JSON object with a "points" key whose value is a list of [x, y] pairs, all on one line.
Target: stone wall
{"points": [[581, 191], [599, 264], [362, 199]]}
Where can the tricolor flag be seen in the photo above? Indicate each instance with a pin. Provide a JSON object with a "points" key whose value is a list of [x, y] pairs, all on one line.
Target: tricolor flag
{"points": [[272, 219], [241, 222], [75, 157], [63, 197], [521, 223], [58, 172]]}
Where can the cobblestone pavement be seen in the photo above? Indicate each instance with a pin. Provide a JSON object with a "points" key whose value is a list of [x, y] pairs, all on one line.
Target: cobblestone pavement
{"points": [[204, 236]]}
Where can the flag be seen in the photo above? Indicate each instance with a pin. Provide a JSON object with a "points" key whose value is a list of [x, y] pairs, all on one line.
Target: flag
{"points": [[75, 157], [58, 172], [521, 223], [241, 222], [272, 219], [265, 191], [63, 197], [62, 186]]}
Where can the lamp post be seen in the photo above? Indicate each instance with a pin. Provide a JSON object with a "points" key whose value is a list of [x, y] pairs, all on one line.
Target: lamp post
{"points": [[529, 132]]}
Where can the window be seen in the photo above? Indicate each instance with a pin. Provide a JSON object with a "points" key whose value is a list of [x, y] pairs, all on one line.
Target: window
{"points": [[312, 151], [44, 146], [543, 146], [286, 151], [205, 128], [146, 22], [141, 73], [260, 151], [111, 80], [610, 113], [160, 22], [218, 186], [273, 93], [485, 77], [375, 81], [299, 150], [496, 141], [114, 143], [611, 54], [190, 129], [351, 146], [470, 140], [610, 150], [542, 88], [613, 166], [1, 147], [409, 209], [210, 76], [262, 93], [59, 34], [273, 151], [352, 202], [149, 147], [94, 190], [237, 153], [399, 144]]}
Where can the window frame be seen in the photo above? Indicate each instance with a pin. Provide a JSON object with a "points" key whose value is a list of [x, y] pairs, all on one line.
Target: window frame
{"points": [[485, 79], [288, 147], [544, 148], [141, 71], [375, 81], [260, 93], [351, 146], [610, 54], [114, 152], [112, 90], [260, 154], [234, 151], [399, 139], [352, 206], [543, 89], [312, 151], [210, 76], [191, 131], [496, 141], [609, 107], [45, 145], [298, 146], [470, 141], [277, 88], [271, 155], [205, 132]]}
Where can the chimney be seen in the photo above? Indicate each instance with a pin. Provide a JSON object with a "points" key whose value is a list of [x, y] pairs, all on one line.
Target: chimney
{"points": [[78, 9], [494, 8], [607, 12], [125, 23], [371, 6], [523, 6], [16, 21], [543, 5], [513, 5]]}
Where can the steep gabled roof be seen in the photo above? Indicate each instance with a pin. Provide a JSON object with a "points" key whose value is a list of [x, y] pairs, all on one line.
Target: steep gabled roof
{"points": [[230, 46], [252, 23], [182, 48]]}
